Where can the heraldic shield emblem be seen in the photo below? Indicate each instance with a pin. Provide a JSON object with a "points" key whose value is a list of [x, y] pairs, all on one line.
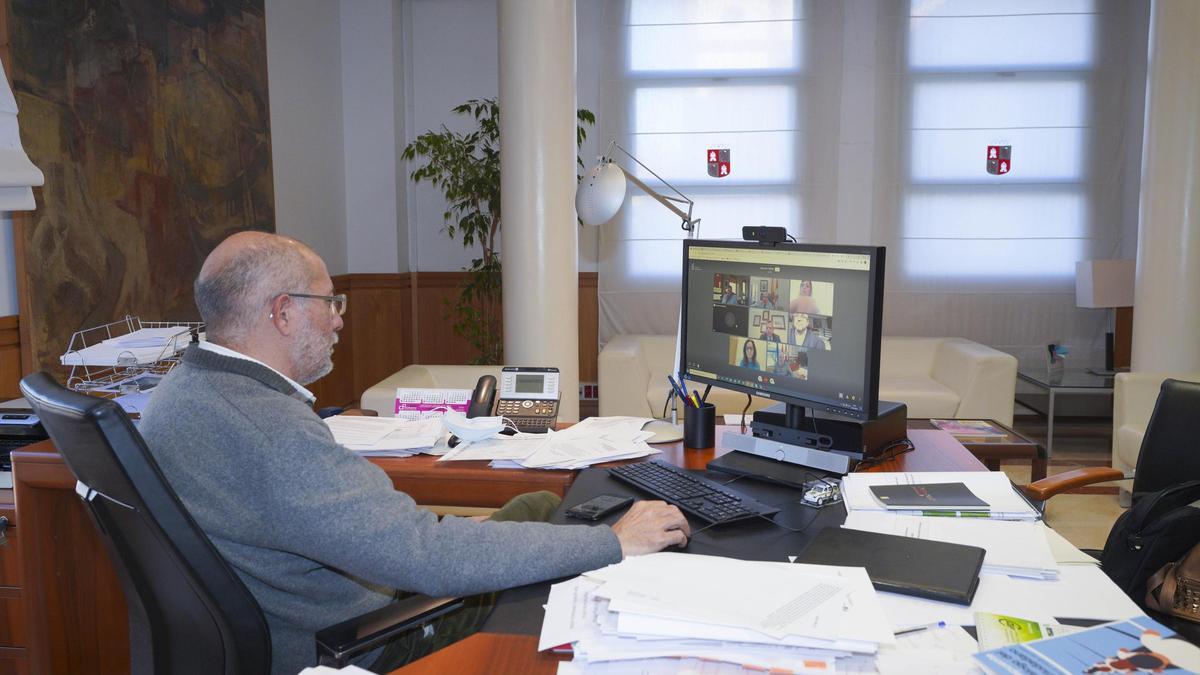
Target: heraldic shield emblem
{"points": [[999, 159], [718, 163]]}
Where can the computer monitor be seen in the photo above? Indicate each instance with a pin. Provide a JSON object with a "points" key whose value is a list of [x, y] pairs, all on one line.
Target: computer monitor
{"points": [[795, 323]]}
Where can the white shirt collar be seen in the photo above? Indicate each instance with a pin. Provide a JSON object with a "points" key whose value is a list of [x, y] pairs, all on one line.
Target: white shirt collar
{"points": [[226, 351]]}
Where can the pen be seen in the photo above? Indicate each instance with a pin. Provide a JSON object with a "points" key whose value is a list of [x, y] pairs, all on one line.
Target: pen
{"points": [[696, 398], [678, 391], [958, 514], [916, 629]]}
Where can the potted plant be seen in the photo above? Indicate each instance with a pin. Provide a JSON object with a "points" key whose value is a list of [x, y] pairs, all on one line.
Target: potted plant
{"points": [[466, 168]]}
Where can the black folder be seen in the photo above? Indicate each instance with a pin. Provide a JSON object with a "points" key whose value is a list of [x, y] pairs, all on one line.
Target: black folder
{"points": [[926, 569]]}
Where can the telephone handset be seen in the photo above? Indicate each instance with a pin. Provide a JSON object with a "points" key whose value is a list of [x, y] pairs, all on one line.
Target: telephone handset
{"points": [[483, 397], [528, 397]]}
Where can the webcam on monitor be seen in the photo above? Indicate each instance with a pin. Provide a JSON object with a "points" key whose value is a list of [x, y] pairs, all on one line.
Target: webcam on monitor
{"points": [[764, 235]]}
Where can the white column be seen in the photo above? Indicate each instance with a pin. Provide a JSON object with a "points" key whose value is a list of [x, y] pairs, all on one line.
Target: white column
{"points": [[539, 248], [1166, 313]]}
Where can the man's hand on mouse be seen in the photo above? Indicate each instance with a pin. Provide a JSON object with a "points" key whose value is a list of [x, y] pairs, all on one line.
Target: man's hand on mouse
{"points": [[651, 526]]}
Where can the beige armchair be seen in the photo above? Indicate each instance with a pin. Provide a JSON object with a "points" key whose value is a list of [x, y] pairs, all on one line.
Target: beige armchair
{"points": [[935, 377], [1134, 395]]}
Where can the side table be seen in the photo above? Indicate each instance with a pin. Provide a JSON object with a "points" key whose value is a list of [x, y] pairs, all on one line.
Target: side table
{"points": [[1065, 382], [1012, 445]]}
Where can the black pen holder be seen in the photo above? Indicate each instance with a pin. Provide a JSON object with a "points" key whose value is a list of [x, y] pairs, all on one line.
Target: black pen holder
{"points": [[699, 426]]}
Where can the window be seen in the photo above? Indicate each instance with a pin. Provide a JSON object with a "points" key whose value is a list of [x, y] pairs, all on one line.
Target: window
{"points": [[703, 75], [983, 73]]}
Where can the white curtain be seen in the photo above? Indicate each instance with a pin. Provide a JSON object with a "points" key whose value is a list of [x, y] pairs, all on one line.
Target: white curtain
{"points": [[868, 122]]}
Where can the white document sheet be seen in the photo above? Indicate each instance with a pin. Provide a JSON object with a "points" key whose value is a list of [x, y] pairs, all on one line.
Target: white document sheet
{"points": [[515, 447], [775, 599], [1080, 592], [570, 613], [384, 436], [1013, 547], [1066, 553]]}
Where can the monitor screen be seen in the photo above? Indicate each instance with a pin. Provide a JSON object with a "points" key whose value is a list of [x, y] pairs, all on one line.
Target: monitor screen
{"points": [[798, 323]]}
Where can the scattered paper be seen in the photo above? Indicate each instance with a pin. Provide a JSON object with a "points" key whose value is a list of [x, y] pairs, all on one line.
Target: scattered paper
{"points": [[384, 436]]}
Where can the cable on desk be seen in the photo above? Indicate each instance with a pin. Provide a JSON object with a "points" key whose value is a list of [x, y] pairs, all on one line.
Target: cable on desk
{"points": [[896, 449], [748, 402], [771, 519]]}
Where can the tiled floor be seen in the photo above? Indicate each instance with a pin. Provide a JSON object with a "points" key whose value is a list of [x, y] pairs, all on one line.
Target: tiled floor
{"points": [[1084, 519]]}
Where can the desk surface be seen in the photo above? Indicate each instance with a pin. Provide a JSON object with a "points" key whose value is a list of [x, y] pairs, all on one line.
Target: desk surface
{"points": [[508, 642]]}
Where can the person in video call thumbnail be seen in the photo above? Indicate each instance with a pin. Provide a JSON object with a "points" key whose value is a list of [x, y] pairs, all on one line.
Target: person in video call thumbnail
{"points": [[804, 303], [749, 356], [791, 361], [728, 297], [766, 301], [800, 333], [768, 333]]}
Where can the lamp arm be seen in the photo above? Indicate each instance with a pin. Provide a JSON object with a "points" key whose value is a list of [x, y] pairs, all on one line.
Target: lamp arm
{"points": [[661, 199], [666, 200]]}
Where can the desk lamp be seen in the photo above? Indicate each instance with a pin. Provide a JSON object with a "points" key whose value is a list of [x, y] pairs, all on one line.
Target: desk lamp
{"points": [[1107, 284], [599, 197], [601, 192]]}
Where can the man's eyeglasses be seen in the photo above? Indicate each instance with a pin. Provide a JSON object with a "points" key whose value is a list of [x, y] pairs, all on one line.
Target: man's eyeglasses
{"points": [[337, 303]]}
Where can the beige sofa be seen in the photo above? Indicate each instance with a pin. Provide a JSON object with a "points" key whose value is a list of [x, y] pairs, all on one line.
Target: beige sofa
{"points": [[935, 377], [1134, 396]]}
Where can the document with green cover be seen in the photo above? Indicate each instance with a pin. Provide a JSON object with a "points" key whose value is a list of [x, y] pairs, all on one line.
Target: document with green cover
{"points": [[928, 497]]}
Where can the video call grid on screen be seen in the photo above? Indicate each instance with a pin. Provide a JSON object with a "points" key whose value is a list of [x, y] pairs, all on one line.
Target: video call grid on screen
{"points": [[786, 321]]}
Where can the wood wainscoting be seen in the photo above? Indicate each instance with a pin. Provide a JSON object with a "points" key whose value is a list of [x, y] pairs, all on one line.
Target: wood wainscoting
{"points": [[394, 320], [10, 357]]}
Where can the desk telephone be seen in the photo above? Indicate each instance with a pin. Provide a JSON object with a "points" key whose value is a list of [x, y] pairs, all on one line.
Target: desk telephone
{"points": [[528, 397]]}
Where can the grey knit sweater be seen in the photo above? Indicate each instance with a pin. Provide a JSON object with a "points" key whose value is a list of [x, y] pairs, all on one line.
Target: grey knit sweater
{"points": [[317, 533]]}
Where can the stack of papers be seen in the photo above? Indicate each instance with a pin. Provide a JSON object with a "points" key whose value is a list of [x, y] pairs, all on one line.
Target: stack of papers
{"points": [[760, 615], [149, 337], [384, 436], [1014, 548], [992, 487], [592, 441], [143, 347]]}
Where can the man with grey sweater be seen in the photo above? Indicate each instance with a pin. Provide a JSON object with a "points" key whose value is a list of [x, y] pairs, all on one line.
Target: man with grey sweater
{"points": [[317, 533]]}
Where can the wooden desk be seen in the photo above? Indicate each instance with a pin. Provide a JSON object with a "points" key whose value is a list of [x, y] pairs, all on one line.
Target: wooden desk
{"points": [[73, 607]]}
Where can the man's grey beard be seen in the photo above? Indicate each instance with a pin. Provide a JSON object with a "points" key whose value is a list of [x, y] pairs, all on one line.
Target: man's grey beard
{"points": [[312, 354]]}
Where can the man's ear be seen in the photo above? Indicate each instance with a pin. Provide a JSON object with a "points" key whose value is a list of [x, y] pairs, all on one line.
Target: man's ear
{"points": [[281, 308]]}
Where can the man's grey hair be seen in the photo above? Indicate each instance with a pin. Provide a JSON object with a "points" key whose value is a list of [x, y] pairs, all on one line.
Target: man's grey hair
{"points": [[234, 296]]}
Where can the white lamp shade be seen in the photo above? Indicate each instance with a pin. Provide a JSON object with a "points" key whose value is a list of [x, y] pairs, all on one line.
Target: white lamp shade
{"points": [[1104, 283], [600, 193]]}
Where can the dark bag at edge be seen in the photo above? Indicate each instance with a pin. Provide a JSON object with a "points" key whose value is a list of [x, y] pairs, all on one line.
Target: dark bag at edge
{"points": [[1159, 529]]}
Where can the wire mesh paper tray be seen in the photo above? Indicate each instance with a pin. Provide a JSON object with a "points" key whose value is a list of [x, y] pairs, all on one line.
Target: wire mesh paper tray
{"points": [[115, 371]]}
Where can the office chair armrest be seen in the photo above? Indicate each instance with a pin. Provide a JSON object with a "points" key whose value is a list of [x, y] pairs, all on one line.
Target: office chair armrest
{"points": [[1046, 488], [338, 643]]}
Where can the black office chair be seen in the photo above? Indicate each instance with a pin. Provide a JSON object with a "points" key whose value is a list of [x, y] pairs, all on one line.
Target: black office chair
{"points": [[1170, 452], [188, 610]]}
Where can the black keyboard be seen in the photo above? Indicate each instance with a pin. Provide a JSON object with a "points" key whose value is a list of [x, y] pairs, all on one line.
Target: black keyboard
{"points": [[699, 496]]}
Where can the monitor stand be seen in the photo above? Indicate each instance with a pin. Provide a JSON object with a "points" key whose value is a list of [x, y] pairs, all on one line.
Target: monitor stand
{"points": [[834, 444]]}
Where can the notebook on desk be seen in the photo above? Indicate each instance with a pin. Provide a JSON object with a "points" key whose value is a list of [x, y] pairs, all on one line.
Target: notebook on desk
{"points": [[919, 567]]}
